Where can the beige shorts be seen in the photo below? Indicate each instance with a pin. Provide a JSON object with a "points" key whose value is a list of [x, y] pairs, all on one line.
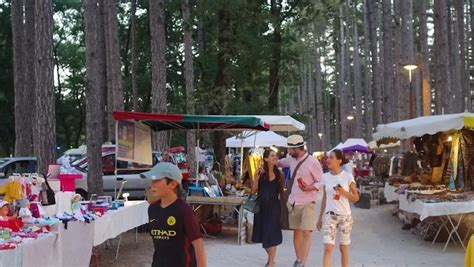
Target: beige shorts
{"points": [[302, 217], [337, 223]]}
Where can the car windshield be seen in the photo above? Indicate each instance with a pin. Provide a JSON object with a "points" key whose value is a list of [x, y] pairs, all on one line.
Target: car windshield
{"points": [[3, 160]]}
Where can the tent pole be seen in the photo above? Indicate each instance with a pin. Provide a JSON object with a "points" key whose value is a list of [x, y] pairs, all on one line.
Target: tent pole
{"points": [[196, 149], [241, 158], [116, 155]]}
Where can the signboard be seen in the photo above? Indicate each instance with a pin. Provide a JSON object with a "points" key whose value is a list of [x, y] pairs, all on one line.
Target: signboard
{"points": [[134, 142]]}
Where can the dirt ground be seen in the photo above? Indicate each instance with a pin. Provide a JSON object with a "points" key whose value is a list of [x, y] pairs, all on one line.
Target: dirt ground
{"points": [[377, 240]]}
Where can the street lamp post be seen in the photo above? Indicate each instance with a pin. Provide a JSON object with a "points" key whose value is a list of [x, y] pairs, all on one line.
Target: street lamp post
{"points": [[410, 68], [320, 141], [350, 118]]}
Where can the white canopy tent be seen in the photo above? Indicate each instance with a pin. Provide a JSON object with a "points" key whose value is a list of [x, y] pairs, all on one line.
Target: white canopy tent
{"points": [[281, 123], [261, 139], [350, 142], [339, 146], [424, 125]]}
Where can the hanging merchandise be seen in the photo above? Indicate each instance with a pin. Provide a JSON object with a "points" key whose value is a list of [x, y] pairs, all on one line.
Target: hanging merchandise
{"points": [[467, 148], [12, 189], [409, 164], [460, 179], [454, 157], [255, 162]]}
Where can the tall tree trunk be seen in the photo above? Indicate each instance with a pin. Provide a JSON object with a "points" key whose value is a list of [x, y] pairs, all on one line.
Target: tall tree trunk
{"points": [[312, 106], [342, 84], [470, 72], [397, 55], [348, 89], [94, 80], [158, 65], [388, 70], [133, 33], [114, 74], [452, 101], [222, 82], [320, 112], [425, 57], [376, 70], [274, 76], [189, 81], [407, 56], [357, 84], [101, 38], [301, 87], [461, 56], [368, 114], [45, 119], [441, 54], [22, 135], [30, 81]]}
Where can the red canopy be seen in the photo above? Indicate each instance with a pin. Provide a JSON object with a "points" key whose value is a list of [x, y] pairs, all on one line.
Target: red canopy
{"points": [[162, 122]]}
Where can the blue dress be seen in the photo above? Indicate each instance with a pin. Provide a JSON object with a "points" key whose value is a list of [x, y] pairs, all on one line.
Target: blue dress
{"points": [[266, 225]]}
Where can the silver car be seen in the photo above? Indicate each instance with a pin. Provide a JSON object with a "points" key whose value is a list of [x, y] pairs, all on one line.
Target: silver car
{"points": [[128, 173], [9, 166]]}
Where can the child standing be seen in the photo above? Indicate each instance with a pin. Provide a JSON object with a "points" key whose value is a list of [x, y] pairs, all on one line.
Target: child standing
{"points": [[175, 231], [335, 215]]}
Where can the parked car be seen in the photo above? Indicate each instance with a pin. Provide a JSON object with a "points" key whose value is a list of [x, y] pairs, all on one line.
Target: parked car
{"points": [[77, 155], [9, 166], [128, 172]]}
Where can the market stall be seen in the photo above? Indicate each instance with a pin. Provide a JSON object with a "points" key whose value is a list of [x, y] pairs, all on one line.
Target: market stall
{"points": [[435, 179], [207, 194]]}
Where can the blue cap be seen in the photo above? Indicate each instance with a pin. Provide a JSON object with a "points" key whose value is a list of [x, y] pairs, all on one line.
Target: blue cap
{"points": [[163, 170]]}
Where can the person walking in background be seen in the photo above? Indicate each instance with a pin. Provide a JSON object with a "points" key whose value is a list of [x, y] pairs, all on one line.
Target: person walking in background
{"points": [[165, 156], [305, 182], [269, 186], [349, 164], [335, 214]]}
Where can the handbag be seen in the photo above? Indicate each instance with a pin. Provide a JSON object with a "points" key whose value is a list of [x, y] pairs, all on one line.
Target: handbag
{"points": [[252, 204], [284, 222]]}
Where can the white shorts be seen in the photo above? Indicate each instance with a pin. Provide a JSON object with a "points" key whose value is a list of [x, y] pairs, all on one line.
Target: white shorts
{"points": [[337, 223]]}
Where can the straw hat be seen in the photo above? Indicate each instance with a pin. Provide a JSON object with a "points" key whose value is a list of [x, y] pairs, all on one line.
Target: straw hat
{"points": [[295, 140]]}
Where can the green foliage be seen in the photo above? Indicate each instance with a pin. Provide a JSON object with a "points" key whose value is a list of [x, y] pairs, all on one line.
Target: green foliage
{"points": [[250, 59]]}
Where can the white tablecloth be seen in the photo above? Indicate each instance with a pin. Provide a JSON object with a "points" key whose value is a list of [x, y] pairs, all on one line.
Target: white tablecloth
{"points": [[426, 210], [41, 249], [134, 214], [389, 193], [72, 247]]}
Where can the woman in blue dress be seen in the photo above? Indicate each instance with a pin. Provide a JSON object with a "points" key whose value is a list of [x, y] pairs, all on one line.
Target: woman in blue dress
{"points": [[269, 186]]}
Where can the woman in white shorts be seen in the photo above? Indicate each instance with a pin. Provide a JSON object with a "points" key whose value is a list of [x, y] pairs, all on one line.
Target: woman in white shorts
{"points": [[335, 216]]}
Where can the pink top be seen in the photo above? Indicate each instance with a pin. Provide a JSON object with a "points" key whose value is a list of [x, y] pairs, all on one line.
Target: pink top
{"points": [[311, 173]]}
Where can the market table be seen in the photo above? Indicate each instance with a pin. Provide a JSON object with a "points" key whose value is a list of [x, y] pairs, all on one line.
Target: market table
{"points": [[197, 202], [116, 222], [73, 246], [389, 192], [446, 211], [132, 215]]}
